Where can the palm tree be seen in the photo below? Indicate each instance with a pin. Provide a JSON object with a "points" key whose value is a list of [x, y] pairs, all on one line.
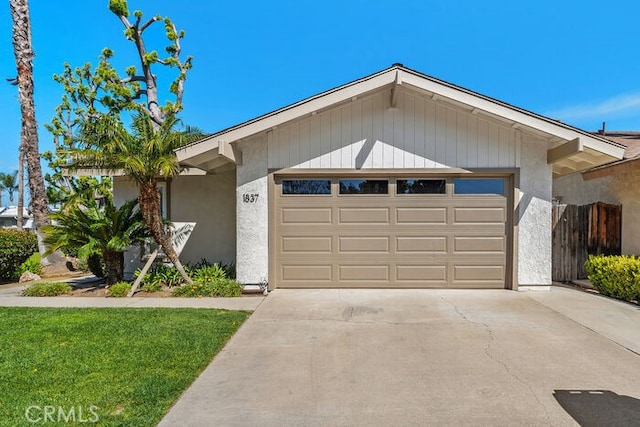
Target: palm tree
{"points": [[90, 229], [23, 52], [145, 155], [9, 182]]}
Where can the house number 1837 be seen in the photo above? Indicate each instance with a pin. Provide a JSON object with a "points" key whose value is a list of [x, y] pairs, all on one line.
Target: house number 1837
{"points": [[249, 198]]}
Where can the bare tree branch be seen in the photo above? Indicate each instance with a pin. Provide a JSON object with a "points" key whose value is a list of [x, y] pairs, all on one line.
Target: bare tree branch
{"points": [[148, 23], [132, 79]]}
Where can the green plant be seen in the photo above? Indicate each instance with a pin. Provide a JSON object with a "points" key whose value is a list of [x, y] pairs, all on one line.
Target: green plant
{"points": [[119, 290], [45, 289], [15, 247], [615, 276], [159, 276], [208, 273], [93, 229], [216, 288], [151, 287], [94, 264], [32, 264]]}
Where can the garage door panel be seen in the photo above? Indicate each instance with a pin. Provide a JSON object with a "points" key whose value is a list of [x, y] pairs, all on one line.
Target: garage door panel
{"points": [[363, 215], [425, 244], [292, 215], [307, 273], [375, 273], [421, 215], [478, 273], [477, 215], [422, 273], [482, 244], [362, 244], [307, 244]]}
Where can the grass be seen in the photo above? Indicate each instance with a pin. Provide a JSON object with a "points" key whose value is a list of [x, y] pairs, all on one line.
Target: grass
{"points": [[44, 289], [131, 364]]}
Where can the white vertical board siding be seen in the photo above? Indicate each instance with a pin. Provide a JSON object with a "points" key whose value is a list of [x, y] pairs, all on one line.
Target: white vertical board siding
{"points": [[418, 133]]}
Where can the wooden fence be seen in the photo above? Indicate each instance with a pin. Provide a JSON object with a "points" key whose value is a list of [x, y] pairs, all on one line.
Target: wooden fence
{"points": [[579, 231]]}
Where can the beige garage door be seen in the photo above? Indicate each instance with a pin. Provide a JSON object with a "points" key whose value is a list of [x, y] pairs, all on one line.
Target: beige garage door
{"points": [[386, 231]]}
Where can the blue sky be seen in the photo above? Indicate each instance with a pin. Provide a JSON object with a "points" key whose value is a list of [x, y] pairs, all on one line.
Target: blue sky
{"points": [[578, 62]]}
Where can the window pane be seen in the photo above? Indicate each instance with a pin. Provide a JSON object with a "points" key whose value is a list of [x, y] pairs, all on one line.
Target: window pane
{"points": [[306, 186], [364, 186], [421, 186], [478, 186]]}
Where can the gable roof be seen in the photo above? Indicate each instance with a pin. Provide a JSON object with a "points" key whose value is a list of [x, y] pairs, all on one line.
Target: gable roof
{"points": [[572, 150]]}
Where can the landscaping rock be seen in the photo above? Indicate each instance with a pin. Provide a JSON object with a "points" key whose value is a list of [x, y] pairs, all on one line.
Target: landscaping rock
{"points": [[28, 276]]}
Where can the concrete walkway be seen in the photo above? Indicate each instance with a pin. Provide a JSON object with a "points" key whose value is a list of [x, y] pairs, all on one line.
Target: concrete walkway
{"points": [[10, 297], [423, 357]]}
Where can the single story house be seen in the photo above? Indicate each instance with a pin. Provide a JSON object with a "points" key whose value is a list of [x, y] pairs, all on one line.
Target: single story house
{"points": [[616, 183], [9, 217], [396, 180]]}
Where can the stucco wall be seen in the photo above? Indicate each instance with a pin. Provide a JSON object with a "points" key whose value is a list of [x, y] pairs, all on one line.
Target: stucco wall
{"points": [[573, 190], [208, 200], [252, 210], [626, 188], [533, 215]]}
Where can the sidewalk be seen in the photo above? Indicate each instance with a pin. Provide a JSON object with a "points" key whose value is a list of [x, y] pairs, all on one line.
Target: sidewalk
{"points": [[10, 297]]}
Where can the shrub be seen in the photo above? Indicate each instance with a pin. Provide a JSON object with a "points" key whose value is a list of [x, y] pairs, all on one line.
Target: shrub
{"points": [[47, 289], [32, 264], [151, 287], [95, 265], [159, 276], [217, 288], [15, 247], [208, 273], [119, 290], [615, 276]]}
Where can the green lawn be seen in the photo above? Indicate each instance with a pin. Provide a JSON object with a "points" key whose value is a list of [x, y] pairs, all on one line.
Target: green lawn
{"points": [[114, 365]]}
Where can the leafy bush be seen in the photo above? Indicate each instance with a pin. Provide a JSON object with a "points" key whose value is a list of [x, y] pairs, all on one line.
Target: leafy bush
{"points": [[95, 265], [208, 273], [229, 269], [32, 264], [159, 276], [151, 287], [47, 289], [615, 276], [15, 247], [221, 287], [215, 279], [119, 290]]}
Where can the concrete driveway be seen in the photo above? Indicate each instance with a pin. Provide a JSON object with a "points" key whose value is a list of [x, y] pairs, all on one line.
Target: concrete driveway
{"points": [[422, 357]]}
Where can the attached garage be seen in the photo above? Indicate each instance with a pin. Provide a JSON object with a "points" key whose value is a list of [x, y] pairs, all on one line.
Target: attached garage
{"points": [[391, 230], [395, 180]]}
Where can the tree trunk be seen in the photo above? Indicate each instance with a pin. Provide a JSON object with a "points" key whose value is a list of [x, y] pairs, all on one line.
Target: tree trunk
{"points": [[20, 219], [113, 266], [149, 202], [23, 51]]}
